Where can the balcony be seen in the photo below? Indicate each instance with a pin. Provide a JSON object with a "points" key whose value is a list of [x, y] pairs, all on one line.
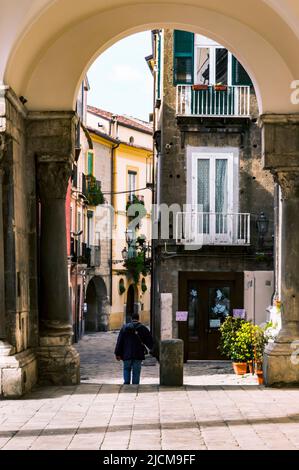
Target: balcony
{"points": [[206, 228], [83, 254], [208, 101], [93, 253]]}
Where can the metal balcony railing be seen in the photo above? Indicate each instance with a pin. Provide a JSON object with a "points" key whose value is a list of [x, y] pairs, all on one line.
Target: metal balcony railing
{"points": [[231, 101], [93, 256], [81, 253], [206, 228]]}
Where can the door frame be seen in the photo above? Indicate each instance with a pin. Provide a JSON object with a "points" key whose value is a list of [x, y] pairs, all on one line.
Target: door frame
{"points": [[186, 276]]}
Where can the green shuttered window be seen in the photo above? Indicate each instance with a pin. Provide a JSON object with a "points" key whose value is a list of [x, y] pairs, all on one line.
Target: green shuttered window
{"points": [[90, 163], [183, 57], [239, 74]]}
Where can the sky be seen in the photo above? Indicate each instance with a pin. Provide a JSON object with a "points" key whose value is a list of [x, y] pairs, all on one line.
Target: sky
{"points": [[120, 80]]}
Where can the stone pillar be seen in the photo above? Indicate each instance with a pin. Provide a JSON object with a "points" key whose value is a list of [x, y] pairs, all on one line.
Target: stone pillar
{"points": [[52, 141], [5, 348], [166, 316], [172, 362], [55, 317], [281, 156], [18, 364]]}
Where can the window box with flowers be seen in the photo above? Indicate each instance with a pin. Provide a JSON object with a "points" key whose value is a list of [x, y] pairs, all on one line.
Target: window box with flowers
{"points": [[220, 87], [199, 87], [94, 192]]}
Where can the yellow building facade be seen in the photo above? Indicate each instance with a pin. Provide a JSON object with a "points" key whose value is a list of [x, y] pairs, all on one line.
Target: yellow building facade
{"points": [[131, 174]]}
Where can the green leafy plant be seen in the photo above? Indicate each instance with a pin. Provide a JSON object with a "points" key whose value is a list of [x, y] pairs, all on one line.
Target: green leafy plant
{"points": [[242, 341], [94, 192], [243, 347], [143, 285], [261, 339], [134, 200], [228, 332], [237, 339], [138, 209], [136, 266], [121, 287]]}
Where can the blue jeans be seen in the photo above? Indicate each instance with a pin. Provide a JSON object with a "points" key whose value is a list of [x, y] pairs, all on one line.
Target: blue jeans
{"points": [[135, 366]]}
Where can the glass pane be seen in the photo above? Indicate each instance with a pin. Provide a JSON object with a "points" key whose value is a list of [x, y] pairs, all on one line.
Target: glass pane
{"points": [[221, 195], [221, 66], [90, 163], [203, 66], [183, 70], [193, 311], [203, 193], [132, 184], [219, 305]]}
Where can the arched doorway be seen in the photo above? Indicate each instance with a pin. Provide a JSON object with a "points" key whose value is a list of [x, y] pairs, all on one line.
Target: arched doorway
{"points": [[132, 305], [96, 318]]}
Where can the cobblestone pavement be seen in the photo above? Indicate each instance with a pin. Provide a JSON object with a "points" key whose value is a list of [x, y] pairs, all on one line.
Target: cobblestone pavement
{"points": [[214, 410]]}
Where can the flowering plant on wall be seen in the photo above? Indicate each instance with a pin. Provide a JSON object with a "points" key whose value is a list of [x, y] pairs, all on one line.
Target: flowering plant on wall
{"points": [[94, 192]]}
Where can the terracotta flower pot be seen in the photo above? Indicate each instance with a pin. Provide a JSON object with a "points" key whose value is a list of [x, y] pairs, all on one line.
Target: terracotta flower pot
{"points": [[220, 87], [250, 367], [240, 368], [260, 377], [199, 87]]}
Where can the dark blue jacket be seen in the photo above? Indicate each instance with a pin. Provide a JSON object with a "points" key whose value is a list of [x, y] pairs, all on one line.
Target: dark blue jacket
{"points": [[129, 343]]}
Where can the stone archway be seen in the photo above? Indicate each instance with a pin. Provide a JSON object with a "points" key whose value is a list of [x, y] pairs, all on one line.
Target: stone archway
{"points": [[96, 318], [51, 49]]}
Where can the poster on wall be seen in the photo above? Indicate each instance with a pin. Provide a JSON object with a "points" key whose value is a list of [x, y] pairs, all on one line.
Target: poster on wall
{"points": [[239, 313], [181, 316]]}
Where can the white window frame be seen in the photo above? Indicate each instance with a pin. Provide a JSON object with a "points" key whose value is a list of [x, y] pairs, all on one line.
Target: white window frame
{"points": [[214, 153], [212, 77]]}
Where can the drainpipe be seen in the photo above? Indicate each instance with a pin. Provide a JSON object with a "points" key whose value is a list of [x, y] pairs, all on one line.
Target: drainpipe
{"points": [[113, 148], [276, 240]]}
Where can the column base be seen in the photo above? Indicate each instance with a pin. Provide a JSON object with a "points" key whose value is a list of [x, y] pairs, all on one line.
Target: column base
{"points": [[58, 361], [18, 373], [281, 364]]}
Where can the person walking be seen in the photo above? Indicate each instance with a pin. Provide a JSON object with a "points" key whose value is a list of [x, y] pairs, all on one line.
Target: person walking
{"points": [[131, 345]]}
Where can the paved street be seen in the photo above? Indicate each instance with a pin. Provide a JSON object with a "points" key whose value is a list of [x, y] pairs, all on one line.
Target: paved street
{"points": [[214, 410]]}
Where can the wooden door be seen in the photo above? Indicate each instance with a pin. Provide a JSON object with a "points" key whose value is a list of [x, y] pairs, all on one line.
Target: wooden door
{"points": [[209, 298]]}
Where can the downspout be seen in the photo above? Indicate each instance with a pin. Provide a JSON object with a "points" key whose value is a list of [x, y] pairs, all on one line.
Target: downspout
{"points": [[276, 241], [113, 148], [153, 253]]}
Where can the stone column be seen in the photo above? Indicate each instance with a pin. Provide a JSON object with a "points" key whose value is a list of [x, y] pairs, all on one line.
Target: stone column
{"points": [[58, 359], [166, 316], [281, 156], [51, 141], [5, 348]]}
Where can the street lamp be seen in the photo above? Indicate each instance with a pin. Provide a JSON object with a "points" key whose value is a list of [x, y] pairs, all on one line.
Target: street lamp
{"points": [[262, 225], [129, 236], [124, 253]]}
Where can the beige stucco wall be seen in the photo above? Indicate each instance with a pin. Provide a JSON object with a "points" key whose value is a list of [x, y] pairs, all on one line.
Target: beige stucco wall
{"points": [[38, 38]]}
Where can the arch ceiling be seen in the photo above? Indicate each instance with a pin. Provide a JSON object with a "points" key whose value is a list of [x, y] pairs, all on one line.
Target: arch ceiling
{"points": [[46, 46]]}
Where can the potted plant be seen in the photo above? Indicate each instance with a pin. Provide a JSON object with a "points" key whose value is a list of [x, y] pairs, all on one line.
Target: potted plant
{"points": [[220, 87], [198, 87], [94, 192], [121, 287], [242, 348], [261, 338], [237, 343]]}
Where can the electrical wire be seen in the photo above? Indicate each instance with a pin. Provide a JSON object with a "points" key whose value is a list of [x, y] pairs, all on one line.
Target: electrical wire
{"points": [[125, 192]]}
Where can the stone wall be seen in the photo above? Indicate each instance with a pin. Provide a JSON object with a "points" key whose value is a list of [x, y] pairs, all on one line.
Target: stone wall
{"points": [[256, 188], [19, 367]]}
